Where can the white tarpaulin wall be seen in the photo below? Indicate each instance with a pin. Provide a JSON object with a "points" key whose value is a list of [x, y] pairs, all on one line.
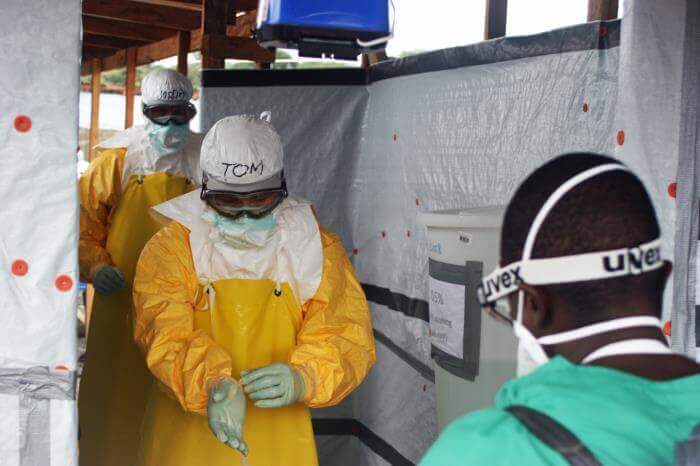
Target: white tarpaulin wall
{"points": [[450, 129], [39, 63], [656, 123]]}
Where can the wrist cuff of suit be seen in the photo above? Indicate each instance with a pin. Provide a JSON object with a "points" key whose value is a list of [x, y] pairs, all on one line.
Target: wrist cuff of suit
{"points": [[95, 268], [214, 380], [309, 386]]}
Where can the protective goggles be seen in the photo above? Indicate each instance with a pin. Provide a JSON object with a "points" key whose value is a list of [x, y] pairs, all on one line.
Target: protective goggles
{"points": [[496, 287], [164, 114], [502, 282], [233, 204]]}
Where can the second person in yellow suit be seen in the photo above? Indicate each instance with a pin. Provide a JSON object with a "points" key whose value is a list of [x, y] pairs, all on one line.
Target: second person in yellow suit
{"points": [[244, 281], [134, 171]]}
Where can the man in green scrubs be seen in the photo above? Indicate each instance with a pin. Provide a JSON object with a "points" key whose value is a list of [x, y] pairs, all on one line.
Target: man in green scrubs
{"points": [[582, 282]]}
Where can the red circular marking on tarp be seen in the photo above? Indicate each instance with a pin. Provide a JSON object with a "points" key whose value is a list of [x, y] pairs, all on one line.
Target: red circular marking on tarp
{"points": [[355, 251], [383, 234], [417, 201], [667, 328], [585, 108], [395, 136], [620, 138], [20, 268], [61, 368], [23, 123], [672, 189], [64, 283]]}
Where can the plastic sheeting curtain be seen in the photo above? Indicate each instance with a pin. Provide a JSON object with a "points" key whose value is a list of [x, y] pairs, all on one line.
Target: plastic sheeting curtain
{"points": [[657, 135], [39, 83]]}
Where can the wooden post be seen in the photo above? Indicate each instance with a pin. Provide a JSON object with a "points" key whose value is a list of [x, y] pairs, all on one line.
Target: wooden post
{"points": [[130, 85], [183, 48], [214, 14], [496, 13], [369, 59], [265, 66], [95, 109], [602, 10]]}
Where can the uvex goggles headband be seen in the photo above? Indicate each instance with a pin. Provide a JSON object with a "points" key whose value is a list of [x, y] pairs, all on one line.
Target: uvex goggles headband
{"points": [[564, 269], [161, 114], [234, 204]]}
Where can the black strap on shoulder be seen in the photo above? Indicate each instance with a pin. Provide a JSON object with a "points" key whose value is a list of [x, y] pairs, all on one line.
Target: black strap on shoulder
{"points": [[688, 452], [554, 435]]}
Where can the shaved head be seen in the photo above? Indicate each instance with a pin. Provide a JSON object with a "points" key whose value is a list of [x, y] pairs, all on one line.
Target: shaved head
{"points": [[609, 211]]}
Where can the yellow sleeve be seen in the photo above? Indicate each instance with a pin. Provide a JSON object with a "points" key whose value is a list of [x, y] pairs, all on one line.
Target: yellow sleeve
{"points": [[335, 347], [99, 189], [166, 294]]}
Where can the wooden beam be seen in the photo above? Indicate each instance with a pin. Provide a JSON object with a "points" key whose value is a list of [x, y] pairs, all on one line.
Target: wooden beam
{"points": [[170, 47], [95, 106], [496, 12], [121, 29], [241, 48], [194, 5], [106, 42], [130, 85], [143, 13], [602, 10], [244, 25], [246, 5], [213, 27], [93, 52], [183, 48]]}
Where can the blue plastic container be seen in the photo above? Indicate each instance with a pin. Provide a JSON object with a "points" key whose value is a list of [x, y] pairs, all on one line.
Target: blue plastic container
{"points": [[357, 15], [318, 27]]}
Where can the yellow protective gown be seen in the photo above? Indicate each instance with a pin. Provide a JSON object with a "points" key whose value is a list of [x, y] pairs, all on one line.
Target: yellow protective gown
{"points": [[114, 227], [188, 342]]}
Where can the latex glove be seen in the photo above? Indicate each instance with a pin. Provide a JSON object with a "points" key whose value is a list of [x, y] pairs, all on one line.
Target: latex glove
{"points": [[226, 413], [273, 386], [108, 279]]}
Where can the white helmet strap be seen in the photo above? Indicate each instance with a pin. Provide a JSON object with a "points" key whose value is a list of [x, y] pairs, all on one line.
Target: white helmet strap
{"points": [[573, 268]]}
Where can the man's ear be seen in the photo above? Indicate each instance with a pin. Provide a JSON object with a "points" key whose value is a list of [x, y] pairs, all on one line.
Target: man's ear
{"points": [[536, 309]]}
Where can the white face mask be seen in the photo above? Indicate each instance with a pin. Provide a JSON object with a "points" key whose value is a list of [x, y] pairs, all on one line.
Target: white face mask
{"points": [[530, 354]]}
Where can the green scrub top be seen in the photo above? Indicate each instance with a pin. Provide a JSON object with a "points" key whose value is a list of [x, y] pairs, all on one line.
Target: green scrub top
{"points": [[623, 419]]}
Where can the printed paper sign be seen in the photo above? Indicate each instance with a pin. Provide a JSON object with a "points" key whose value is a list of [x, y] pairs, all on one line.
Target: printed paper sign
{"points": [[447, 317]]}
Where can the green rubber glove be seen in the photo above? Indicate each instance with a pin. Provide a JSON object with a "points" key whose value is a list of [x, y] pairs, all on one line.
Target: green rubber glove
{"points": [[108, 280], [273, 386], [226, 413]]}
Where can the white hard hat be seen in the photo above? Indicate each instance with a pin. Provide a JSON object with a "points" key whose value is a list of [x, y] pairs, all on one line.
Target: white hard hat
{"points": [[244, 153], [165, 87]]}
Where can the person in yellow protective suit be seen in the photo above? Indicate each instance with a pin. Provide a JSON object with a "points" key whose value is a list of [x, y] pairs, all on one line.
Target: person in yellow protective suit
{"points": [[137, 169], [243, 280]]}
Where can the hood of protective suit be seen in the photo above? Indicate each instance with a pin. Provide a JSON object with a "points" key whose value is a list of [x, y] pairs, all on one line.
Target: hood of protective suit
{"points": [[165, 87], [292, 254], [142, 159], [242, 151]]}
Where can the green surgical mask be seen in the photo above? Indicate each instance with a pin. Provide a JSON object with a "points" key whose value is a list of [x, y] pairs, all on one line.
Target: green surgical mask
{"points": [[168, 139], [243, 232]]}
